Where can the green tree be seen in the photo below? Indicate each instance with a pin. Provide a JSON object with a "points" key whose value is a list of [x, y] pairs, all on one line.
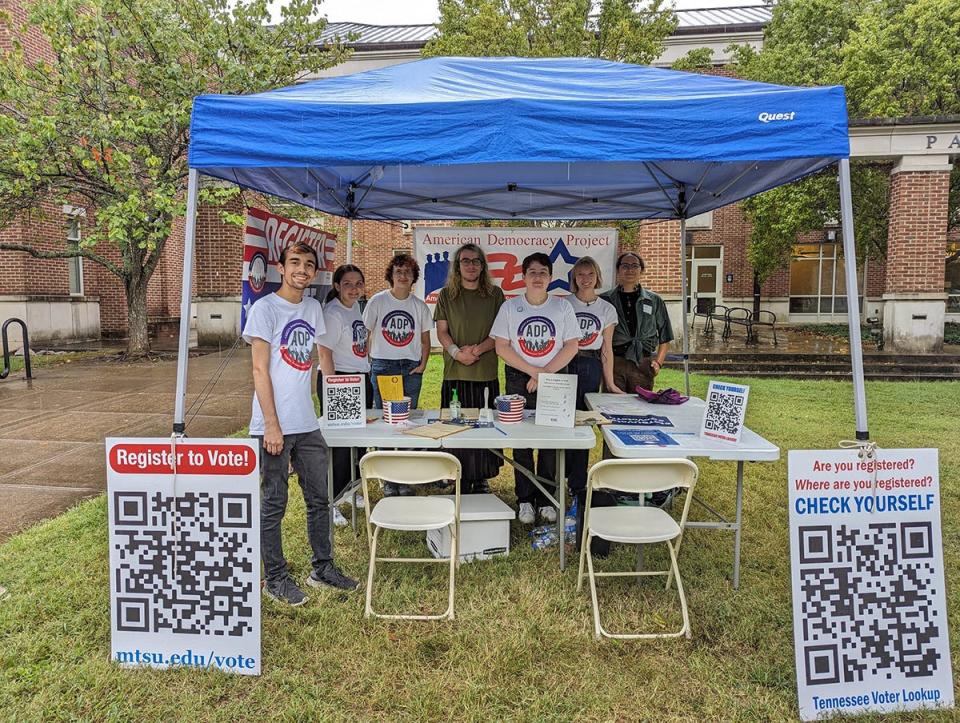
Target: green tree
{"points": [[698, 59], [622, 30], [896, 58], [103, 118]]}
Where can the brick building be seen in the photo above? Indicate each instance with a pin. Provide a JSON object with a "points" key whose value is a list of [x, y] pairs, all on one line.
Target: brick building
{"points": [[917, 289]]}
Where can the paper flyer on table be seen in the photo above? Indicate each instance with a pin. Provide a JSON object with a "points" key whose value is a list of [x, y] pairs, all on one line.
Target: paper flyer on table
{"points": [[556, 400]]}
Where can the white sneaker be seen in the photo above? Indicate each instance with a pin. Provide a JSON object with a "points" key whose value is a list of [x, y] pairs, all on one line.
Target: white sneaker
{"points": [[527, 517], [338, 519], [548, 514], [358, 501]]}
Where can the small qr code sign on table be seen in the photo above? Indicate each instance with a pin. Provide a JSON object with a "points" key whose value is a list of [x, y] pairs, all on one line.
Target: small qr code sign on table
{"points": [[184, 553], [725, 410], [344, 401], [869, 606]]}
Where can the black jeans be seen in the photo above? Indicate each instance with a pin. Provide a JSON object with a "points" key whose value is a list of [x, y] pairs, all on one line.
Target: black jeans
{"points": [[546, 459], [589, 371], [307, 452]]}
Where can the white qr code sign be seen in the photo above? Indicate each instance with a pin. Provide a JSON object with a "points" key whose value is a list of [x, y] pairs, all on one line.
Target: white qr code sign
{"points": [[184, 553], [344, 401], [869, 606], [726, 407]]}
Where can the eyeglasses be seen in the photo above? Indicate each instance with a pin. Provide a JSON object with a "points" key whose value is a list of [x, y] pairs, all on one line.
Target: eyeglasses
{"points": [[472, 262], [630, 267]]}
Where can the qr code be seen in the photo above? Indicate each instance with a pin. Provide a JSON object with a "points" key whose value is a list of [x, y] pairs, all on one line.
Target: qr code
{"points": [[867, 602], [343, 402], [724, 412], [186, 563]]}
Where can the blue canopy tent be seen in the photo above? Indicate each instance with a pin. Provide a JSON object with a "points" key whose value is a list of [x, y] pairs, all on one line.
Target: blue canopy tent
{"points": [[519, 138]]}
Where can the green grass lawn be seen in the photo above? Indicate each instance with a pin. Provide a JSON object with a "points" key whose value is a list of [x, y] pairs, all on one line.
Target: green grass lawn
{"points": [[522, 645]]}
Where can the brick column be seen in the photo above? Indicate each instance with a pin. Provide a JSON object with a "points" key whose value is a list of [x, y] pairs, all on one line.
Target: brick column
{"points": [[914, 305]]}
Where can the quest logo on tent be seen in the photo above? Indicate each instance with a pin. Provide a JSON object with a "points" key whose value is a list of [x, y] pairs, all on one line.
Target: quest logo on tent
{"points": [[768, 117]]}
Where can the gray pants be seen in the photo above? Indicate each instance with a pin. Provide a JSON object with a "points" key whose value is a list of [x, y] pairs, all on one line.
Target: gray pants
{"points": [[307, 452]]}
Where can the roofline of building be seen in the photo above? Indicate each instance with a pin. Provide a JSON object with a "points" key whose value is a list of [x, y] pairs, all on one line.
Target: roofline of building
{"points": [[912, 120]]}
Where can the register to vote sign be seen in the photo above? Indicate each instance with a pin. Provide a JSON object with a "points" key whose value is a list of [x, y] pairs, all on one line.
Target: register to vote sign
{"points": [[869, 609], [184, 553]]}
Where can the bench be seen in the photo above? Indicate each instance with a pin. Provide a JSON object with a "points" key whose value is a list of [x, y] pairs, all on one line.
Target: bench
{"points": [[717, 313], [764, 318], [704, 309], [738, 316]]}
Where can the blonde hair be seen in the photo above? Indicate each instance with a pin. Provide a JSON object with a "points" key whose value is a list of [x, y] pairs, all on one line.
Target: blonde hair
{"points": [[585, 261], [454, 283]]}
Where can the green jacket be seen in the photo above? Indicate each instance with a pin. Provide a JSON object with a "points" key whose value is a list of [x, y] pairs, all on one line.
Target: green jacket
{"points": [[653, 324]]}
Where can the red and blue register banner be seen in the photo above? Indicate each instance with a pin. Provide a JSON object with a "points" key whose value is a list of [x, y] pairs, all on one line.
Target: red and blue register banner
{"points": [[266, 235]]}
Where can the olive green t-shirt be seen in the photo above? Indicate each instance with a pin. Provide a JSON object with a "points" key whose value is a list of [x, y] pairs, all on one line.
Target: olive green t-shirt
{"points": [[469, 319]]}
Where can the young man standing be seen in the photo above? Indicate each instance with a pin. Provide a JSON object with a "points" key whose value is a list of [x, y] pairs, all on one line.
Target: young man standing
{"points": [[283, 328]]}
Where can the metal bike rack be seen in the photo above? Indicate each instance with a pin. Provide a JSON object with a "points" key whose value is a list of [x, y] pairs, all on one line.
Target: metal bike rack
{"points": [[6, 348]]}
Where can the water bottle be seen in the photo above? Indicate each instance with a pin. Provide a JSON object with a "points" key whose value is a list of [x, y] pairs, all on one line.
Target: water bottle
{"points": [[548, 539], [454, 406]]}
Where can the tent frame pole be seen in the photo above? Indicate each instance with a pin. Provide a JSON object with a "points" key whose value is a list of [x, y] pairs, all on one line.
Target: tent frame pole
{"points": [[683, 290], [853, 311], [349, 240], [186, 293]]}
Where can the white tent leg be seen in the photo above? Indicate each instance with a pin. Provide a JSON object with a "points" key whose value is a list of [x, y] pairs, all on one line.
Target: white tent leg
{"points": [[183, 351], [683, 306], [853, 313], [349, 240]]}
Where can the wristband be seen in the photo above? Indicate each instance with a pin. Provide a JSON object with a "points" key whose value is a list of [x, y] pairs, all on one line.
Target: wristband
{"points": [[452, 351]]}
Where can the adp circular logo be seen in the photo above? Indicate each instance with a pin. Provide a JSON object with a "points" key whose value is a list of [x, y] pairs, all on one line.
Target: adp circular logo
{"points": [[397, 328], [359, 345], [589, 328], [296, 343], [258, 272], [536, 336]]}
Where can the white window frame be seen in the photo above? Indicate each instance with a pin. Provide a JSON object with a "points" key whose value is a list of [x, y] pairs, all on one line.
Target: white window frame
{"points": [[73, 222]]}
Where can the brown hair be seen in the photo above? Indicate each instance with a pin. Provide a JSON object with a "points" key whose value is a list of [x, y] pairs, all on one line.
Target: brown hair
{"points": [[585, 261], [454, 283], [299, 248], [402, 260]]}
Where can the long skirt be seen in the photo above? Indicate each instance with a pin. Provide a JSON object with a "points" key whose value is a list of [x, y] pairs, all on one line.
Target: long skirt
{"points": [[477, 464]]}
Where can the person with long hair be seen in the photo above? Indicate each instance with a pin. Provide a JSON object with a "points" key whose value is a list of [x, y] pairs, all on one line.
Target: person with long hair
{"points": [[343, 350], [534, 334], [594, 360], [398, 324], [466, 308]]}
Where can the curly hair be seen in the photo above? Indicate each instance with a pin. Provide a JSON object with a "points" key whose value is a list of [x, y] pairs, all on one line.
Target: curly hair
{"points": [[402, 260]]}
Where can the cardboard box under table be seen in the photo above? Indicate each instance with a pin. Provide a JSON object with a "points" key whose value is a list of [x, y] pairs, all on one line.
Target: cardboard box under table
{"points": [[484, 529]]}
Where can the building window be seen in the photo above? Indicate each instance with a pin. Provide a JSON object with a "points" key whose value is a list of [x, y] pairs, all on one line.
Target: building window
{"points": [[75, 263], [952, 277], [817, 279]]}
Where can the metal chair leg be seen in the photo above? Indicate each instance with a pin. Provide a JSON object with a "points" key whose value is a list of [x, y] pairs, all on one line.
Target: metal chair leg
{"points": [[368, 609], [683, 598]]}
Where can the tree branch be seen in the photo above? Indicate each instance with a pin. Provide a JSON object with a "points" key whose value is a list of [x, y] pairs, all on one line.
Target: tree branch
{"points": [[65, 254]]}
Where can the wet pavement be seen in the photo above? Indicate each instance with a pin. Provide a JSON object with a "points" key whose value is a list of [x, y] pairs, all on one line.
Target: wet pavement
{"points": [[51, 440]]}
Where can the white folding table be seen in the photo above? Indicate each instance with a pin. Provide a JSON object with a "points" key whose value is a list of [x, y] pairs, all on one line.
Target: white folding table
{"points": [[686, 419], [524, 435]]}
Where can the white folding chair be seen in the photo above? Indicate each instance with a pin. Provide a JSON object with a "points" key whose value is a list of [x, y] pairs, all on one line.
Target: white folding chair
{"points": [[411, 513], [636, 525]]}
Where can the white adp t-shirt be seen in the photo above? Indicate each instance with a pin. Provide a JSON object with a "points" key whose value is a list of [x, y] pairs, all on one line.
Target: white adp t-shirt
{"points": [[592, 318], [536, 333], [291, 330], [346, 337], [395, 326]]}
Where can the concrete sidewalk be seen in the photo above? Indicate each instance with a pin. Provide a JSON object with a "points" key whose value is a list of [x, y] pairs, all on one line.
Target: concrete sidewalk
{"points": [[51, 440]]}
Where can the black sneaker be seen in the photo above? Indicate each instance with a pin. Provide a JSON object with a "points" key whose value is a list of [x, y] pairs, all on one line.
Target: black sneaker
{"points": [[481, 487], [330, 576], [664, 498], [285, 591]]}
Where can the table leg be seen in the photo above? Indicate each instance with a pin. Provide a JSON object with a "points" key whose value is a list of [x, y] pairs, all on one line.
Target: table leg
{"points": [[562, 507], [330, 496], [736, 534], [353, 495]]}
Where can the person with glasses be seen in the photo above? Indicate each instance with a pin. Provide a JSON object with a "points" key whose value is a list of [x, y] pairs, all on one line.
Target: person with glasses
{"points": [[398, 327], [643, 332], [466, 308], [535, 333]]}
